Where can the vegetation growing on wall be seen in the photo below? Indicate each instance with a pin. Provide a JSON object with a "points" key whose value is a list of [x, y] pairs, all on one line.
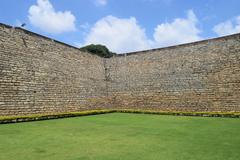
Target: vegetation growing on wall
{"points": [[37, 117], [98, 49]]}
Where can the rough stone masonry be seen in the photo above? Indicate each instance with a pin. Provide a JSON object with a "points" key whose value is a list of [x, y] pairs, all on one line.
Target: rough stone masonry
{"points": [[41, 75]]}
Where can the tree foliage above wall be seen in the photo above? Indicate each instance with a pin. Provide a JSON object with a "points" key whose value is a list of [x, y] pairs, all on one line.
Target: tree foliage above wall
{"points": [[98, 49]]}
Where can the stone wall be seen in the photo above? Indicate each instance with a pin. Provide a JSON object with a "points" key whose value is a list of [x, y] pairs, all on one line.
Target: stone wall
{"points": [[41, 75], [200, 76]]}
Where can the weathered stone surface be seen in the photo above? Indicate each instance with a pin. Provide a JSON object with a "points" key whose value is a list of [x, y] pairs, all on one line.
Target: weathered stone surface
{"points": [[200, 76], [41, 75]]}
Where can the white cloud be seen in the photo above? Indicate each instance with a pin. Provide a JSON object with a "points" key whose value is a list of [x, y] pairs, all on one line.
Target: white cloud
{"points": [[101, 2], [177, 32], [126, 35], [44, 16], [85, 26], [228, 27], [119, 35]]}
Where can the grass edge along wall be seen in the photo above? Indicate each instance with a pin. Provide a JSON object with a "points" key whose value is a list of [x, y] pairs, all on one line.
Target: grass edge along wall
{"points": [[40, 75], [39, 117], [123, 136]]}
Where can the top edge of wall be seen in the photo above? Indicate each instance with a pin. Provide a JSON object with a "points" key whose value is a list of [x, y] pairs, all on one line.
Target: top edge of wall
{"points": [[36, 34], [6, 25], [129, 53], [180, 45]]}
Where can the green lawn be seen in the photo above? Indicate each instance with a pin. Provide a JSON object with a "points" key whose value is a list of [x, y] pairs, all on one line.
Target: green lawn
{"points": [[122, 136]]}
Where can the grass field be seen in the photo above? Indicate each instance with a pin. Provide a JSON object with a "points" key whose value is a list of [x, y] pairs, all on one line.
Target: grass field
{"points": [[122, 136]]}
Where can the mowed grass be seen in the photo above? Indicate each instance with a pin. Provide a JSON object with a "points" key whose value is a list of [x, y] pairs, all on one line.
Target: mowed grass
{"points": [[122, 136]]}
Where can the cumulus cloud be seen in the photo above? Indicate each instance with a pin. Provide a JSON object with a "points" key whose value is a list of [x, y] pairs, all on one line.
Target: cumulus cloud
{"points": [[228, 27], [44, 16], [119, 35], [101, 2], [125, 35], [180, 30]]}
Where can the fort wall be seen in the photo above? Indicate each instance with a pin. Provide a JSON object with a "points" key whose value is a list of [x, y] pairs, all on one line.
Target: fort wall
{"points": [[199, 76], [41, 75]]}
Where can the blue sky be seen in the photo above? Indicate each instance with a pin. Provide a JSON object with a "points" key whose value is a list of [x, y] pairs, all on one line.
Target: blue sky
{"points": [[125, 25]]}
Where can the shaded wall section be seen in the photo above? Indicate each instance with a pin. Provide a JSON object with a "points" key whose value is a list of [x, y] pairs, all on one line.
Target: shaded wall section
{"points": [[40, 75], [200, 76]]}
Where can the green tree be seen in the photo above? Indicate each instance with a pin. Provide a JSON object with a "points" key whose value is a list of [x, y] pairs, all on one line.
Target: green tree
{"points": [[98, 49]]}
